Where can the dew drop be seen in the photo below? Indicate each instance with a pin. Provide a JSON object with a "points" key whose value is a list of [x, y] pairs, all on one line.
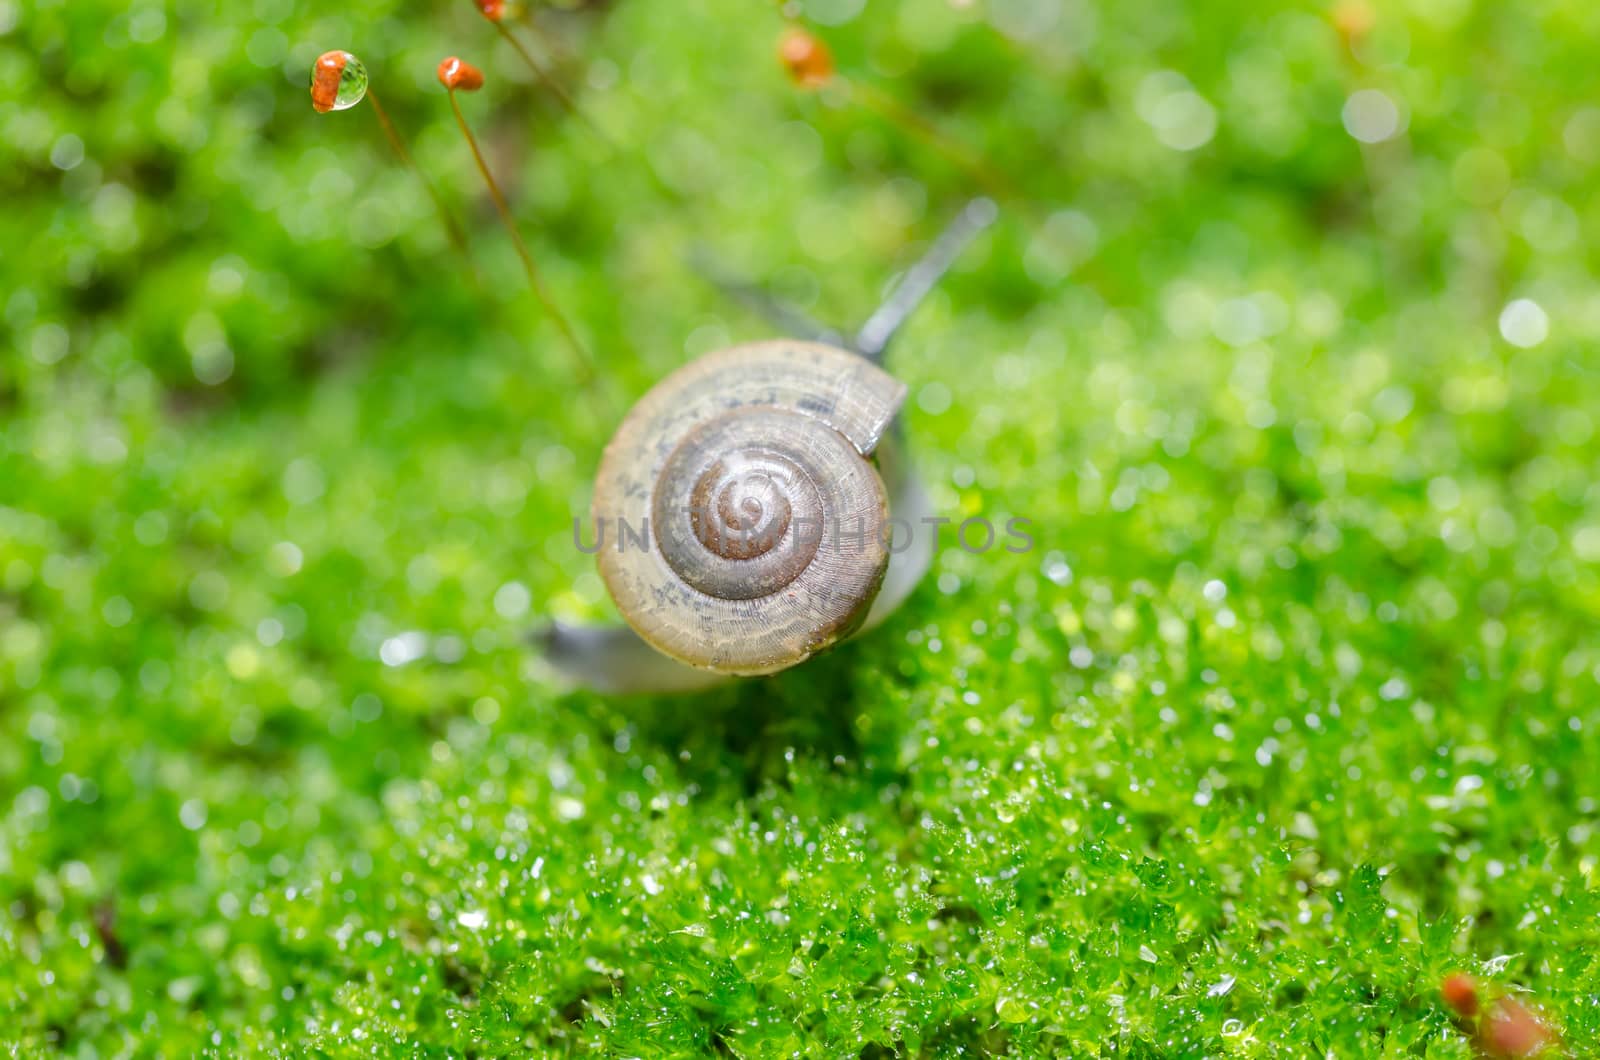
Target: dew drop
{"points": [[338, 82]]}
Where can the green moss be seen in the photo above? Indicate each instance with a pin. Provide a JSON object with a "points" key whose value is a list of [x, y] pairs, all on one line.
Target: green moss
{"points": [[1291, 711]]}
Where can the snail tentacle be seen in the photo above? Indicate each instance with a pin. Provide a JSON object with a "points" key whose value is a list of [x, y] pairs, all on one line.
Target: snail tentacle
{"points": [[872, 340]]}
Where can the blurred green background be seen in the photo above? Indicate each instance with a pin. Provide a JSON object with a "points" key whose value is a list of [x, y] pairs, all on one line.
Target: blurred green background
{"points": [[1285, 341]]}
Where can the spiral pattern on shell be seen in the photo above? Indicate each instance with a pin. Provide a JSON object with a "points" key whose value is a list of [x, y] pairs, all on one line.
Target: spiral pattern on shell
{"points": [[766, 518]]}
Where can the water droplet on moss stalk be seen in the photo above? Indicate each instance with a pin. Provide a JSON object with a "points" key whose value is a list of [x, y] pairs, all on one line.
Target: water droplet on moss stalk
{"points": [[338, 82]]}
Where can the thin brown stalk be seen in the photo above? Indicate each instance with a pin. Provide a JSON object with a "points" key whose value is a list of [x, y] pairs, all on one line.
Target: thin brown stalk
{"points": [[458, 238], [549, 81], [535, 282]]}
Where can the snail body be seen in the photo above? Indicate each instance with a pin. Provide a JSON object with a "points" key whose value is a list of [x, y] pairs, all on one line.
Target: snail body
{"points": [[751, 494]]}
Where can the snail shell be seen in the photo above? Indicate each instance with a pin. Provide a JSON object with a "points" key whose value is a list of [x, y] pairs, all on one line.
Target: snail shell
{"points": [[767, 533]]}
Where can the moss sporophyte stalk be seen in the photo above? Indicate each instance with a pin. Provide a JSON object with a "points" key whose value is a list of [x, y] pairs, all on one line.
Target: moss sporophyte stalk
{"points": [[458, 75], [338, 82]]}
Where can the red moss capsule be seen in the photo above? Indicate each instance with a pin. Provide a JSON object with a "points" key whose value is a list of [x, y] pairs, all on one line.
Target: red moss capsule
{"points": [[807, 59], [457, 73], [493, 10], [1460, 993]]}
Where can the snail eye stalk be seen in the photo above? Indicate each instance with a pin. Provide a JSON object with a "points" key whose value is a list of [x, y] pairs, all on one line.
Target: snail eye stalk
{"points": [[872, 339], [338, 82], [458, 75]]}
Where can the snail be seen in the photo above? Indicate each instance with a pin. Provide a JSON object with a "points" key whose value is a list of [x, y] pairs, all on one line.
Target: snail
{"points": [[756, 506]]}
